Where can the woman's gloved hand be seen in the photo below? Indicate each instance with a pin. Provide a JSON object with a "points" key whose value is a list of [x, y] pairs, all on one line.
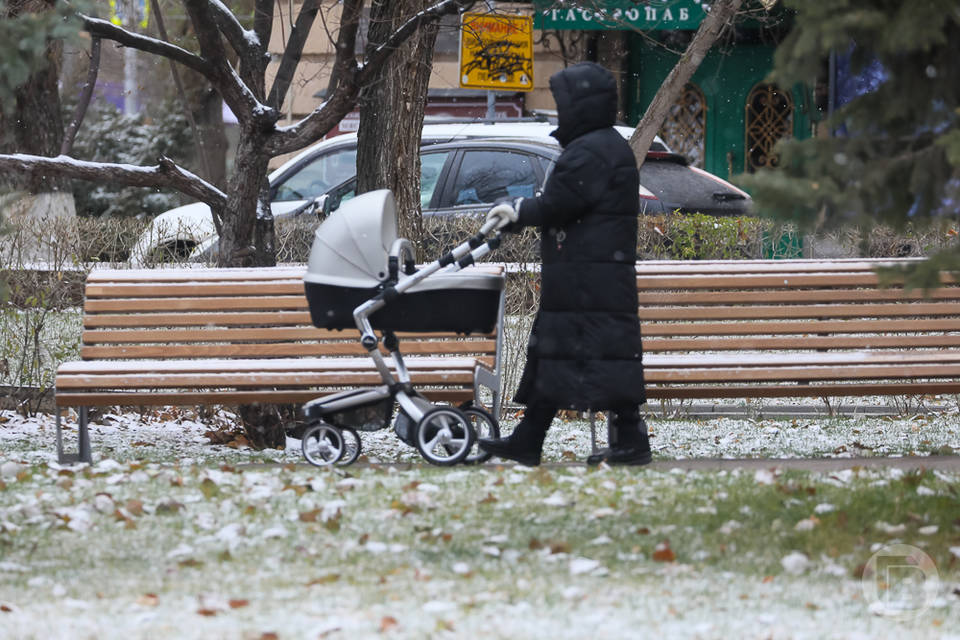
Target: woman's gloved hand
{"points": [[504, 213], [514, 205]]}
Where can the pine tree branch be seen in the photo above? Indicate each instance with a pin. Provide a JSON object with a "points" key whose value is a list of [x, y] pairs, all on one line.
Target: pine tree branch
{"points": [[166, 174]]}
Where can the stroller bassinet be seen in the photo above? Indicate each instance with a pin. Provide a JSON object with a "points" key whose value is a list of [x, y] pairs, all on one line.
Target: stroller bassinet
{"points": [[348, 266], [354, 280]]}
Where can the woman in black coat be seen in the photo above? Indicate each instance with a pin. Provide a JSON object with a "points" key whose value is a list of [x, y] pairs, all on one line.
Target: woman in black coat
{"points": [[584, 351]]}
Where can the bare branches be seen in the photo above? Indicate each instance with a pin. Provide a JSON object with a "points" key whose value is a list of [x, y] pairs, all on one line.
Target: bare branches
{"points": [[433, 13], [263, 20], [348, 77], [85, 94], [293, 51], [165, 174], [245, 43], [720, 16], [109, 31]]}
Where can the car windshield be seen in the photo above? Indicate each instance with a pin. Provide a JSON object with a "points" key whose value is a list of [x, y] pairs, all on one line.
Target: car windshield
{"points": [[318, 176]]}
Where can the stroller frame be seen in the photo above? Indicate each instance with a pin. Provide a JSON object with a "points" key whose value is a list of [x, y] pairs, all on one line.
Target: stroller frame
{"points": [[444, 435]]}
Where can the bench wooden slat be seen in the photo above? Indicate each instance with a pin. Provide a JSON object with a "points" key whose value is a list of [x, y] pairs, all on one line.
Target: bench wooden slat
{"points": [[197, 320], [267, 350], [218, 303], [266, 334], [798, 265], [762, 281], [793, 374], [819, 390], [205, 398], [211, 365], [761, 312], [211, 289], [714, 343], [799, 328], [224, 380], [770, 296]]}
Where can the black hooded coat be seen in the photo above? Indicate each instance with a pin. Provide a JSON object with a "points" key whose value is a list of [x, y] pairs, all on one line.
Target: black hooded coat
{"points": [[584, 351]]}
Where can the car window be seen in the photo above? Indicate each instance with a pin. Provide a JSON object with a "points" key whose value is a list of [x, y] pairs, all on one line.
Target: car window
{"points": [[431, 164], [317, 177], [485, 176]]}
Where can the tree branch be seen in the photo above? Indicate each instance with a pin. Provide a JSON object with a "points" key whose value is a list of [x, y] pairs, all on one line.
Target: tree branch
{"points": [[244, 42], [242, 99], [345, 61], [293, 52], [85, 94], [263, 20], [165, 174], [720, 16], [350, 76], [379, 55], [108, 31]]}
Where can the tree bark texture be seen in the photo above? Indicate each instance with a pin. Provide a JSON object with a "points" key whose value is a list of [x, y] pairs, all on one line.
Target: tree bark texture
{"points": [[391, 113], [36, 126], [720, 16]]}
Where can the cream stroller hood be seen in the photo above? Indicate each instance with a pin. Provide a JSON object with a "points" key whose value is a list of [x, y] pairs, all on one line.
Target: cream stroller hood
{"points": [[351, 246]]}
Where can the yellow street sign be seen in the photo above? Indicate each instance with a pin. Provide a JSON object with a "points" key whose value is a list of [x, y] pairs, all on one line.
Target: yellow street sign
{"points": [[496, 52]]}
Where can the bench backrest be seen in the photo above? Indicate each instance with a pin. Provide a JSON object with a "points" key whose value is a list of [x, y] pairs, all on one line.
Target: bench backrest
{"points": [[229, 313], [794, 328]]}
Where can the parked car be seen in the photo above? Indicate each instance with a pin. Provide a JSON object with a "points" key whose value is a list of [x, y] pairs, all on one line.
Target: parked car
{"points": [[464, 168]]}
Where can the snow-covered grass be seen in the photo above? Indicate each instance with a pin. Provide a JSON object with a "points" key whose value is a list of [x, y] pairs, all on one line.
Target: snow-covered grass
{"points": [[168, 536], [177, 435], [133, 550]]}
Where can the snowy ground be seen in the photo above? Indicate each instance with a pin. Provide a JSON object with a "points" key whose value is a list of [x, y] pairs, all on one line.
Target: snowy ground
{"points": [[178, 435], [168, 536]]}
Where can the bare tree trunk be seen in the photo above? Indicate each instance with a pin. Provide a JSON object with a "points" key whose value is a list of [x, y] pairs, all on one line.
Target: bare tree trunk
{"points": [[244, 209], [391, 114], [720, 16]]}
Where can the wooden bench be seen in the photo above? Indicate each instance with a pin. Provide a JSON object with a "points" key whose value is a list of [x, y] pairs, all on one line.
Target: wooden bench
{"points": [[794, 328], [174, 337]]}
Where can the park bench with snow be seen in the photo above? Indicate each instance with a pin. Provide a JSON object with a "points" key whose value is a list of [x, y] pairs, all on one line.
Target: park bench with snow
{"points": [[712, 329], [191, 337]]}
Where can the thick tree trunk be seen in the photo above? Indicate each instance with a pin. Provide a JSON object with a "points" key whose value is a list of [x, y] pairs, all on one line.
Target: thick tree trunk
{"points": [[391, 114], [247, 215], [36, 127], [720, 16]]}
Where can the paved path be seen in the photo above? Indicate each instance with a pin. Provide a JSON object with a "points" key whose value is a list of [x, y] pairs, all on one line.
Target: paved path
{"points": [[821, 465], [943, 463]]}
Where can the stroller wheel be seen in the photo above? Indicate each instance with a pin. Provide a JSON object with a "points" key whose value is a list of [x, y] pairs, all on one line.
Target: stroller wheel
{"points": [[484, 426], [444, 436], [322, 445], [351, 446]]}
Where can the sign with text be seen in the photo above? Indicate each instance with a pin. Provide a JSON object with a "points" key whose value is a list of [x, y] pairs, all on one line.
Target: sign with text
{"points": [[496, 52], [621, 14]]}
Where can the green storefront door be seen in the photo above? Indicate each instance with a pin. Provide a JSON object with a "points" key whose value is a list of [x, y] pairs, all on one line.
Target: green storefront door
{"points": [[726, 79]]}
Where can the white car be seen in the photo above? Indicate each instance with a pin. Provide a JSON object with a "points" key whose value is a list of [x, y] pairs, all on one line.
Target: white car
{"points": [[189, 232]]}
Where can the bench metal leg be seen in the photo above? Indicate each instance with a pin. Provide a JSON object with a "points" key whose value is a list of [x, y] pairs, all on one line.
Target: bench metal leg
{"points": [[592, 416], [83, 440]]}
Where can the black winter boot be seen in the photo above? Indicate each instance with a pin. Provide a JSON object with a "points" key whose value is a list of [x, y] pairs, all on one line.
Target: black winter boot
{"points": [[525, 444], [630, 443]]}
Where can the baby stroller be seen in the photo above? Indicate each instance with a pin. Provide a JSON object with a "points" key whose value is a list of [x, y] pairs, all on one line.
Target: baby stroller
{"points": [[361, 275]]}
